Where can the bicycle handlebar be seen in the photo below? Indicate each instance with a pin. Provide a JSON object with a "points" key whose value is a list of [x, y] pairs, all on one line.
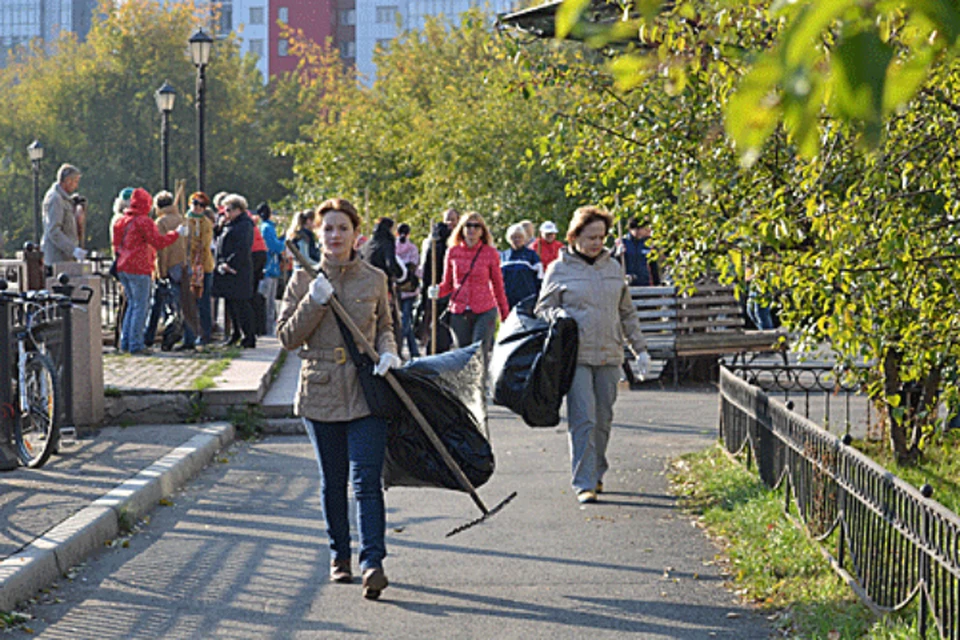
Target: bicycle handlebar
{"points": [[43, 295]]}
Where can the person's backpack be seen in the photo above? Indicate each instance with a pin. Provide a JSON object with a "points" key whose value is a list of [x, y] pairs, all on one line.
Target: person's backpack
{"points": [[172, 332]]}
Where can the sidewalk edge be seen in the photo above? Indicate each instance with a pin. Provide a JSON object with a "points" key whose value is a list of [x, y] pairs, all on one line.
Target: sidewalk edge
{"points": [[47, 558]]}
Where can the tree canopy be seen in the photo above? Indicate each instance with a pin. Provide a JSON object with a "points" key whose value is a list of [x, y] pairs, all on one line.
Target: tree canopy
{"points": [[447, 122], [92, 104], [846, 220]]}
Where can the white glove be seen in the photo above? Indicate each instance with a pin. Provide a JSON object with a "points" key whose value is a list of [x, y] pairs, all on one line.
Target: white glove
{"points": [[643, 364], [79, 253], [321, 289], [182, 230], [433, 291], [387, 361]]}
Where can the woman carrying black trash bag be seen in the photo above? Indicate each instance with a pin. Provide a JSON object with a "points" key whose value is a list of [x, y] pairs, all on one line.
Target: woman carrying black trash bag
{"points": [[346, 438], [586, 284]]}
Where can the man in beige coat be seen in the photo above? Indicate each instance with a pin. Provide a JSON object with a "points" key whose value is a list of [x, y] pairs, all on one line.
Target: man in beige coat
{"points": [[61, 240]]}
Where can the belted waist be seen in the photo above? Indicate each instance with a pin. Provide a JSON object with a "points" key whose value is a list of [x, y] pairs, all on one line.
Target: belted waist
{"points": [[337, 355]]}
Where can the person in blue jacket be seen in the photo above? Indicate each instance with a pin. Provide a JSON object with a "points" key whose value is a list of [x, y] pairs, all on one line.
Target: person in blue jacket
{"points": [[521, 267], [271, 271], [634, 253]]}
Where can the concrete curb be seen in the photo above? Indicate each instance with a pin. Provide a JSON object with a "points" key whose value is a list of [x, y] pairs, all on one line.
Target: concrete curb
{"points": [[47, 558]]}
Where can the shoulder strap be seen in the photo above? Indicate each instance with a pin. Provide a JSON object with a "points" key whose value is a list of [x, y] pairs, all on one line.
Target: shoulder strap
{"points": [[469, 271]]}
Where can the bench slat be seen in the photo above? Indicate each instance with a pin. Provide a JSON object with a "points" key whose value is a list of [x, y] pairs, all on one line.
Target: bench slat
{"points": [[705, 326], [732, 312]]}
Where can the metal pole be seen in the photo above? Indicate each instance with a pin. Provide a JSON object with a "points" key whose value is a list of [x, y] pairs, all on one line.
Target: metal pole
{"points": [[201, 88], [36, 202], [165, 150], [8, 456]]}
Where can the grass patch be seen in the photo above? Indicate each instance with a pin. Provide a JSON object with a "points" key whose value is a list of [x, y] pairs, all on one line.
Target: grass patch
{"points": [[771, 563], [939, 465], [248, 421], [219, 361], [275, 369]]}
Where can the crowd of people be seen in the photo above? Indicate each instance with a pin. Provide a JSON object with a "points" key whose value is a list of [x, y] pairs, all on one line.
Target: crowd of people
{"points": [[450, 292]]}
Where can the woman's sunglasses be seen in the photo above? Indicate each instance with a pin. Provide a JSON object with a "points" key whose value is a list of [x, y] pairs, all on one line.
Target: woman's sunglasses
{"points": [[473, 225]]}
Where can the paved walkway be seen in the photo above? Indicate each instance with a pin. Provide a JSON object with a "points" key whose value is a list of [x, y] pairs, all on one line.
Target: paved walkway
{"points": [[177, 371], [240, 552]]}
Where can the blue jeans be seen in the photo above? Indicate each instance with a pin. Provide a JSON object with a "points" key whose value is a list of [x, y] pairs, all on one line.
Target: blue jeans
{"points": [[137, 289], [356, 448], [205, 311], [406, 323], [759, 313]]}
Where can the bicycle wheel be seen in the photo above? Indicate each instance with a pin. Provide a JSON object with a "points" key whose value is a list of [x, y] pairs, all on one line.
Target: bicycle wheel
{"points": [[36, 431]]}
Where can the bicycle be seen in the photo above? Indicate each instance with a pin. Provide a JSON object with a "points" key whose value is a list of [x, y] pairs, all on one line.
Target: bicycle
{"points": [[36, 414]]}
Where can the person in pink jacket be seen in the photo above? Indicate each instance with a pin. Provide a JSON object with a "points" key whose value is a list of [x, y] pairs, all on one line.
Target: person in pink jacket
{"points": [[474, 282], [135, 243]]}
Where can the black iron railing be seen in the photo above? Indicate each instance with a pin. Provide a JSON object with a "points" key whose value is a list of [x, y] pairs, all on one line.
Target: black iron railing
{"points": [[821, 393], [110, 289], [892, 543]]}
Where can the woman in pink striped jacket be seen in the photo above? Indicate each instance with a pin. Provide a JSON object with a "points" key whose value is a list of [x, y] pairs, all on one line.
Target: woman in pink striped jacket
{"points": [[472, 279]]}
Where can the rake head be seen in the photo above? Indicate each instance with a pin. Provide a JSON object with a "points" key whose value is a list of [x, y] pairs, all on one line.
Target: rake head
{"points": [[485, 516]]}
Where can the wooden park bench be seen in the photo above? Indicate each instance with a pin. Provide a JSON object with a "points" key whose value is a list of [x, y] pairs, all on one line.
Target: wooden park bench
{"points": [[708, 322]]}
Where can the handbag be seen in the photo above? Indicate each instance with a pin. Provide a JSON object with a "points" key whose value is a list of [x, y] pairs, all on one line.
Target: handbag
{"points": [[411, 283], [380, 396]]}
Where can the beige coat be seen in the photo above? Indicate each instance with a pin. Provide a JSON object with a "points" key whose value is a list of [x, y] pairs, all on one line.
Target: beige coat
{"points": [[201, 237], [60, 236], [329, 389], [176, 253], [598, 298]]}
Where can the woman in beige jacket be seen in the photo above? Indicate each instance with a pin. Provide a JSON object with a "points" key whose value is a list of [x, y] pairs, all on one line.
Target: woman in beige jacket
{"points": [[586, 284], [345, 437]]}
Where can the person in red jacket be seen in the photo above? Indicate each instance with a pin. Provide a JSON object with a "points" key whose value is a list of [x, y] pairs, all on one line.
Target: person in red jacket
{"points": [[474, 282], [547, 246], [135, 243]]}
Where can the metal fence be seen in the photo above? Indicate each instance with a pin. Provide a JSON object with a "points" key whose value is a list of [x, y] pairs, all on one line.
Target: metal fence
{"points": [[110, 289], [820, 392], [889, 541]]}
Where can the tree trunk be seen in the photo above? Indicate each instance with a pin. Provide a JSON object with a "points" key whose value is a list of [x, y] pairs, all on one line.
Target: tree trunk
{"points": [[904, 453]]}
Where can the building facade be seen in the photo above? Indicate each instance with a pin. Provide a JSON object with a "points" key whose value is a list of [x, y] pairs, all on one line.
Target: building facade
{"points": [[356, 27], [380, 21], [22, 21]]}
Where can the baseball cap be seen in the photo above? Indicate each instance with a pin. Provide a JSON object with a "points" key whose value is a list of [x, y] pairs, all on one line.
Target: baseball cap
{"points": [[548, 227]]}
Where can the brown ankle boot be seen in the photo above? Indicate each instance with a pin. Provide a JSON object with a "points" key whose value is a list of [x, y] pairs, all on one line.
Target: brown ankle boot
{"points": [[374, 581], [340, 571]]}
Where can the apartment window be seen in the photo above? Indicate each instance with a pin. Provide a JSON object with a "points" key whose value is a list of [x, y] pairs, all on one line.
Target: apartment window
{"points": [[387, 14], [283, 48], [348, 49], [256, 47], [384, 43], [226, 18], [283, 15], [256, 15], [348, 17]]}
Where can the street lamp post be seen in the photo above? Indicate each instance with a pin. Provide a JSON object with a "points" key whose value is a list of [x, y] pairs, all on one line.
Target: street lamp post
{"points": [[165, 95], [200, 45], [35, 151]]}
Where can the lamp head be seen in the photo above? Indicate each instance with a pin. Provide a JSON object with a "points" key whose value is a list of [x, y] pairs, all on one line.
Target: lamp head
{"points": [[166, 96], [35, 151], [200, 45]]}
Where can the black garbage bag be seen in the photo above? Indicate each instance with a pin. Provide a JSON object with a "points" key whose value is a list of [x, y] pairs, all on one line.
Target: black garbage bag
{"points": [[533, 363], [448, 390]]}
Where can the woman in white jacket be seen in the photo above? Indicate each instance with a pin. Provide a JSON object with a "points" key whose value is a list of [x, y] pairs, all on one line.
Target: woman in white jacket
{"points": [[586, 284]]}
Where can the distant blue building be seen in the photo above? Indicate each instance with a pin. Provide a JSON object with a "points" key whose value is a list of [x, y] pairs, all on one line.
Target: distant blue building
{"points": [[23, 21]]}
